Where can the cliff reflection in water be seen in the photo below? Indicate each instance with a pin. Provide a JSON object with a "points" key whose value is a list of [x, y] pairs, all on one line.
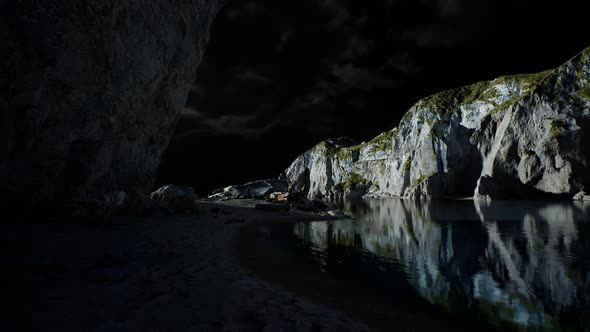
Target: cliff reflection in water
{"points": [[516, 262]]}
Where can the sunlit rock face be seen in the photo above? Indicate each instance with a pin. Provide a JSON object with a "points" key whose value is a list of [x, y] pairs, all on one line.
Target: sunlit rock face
{"points": [[91, 91], [517, 136], [522, 264]]}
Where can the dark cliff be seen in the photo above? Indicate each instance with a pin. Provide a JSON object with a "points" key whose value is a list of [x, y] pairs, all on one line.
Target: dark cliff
{"points": [[91, 92]]}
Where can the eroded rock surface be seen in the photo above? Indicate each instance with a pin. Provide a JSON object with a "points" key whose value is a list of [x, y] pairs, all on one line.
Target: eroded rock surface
{"points": [[518, 136], [90, 94]]}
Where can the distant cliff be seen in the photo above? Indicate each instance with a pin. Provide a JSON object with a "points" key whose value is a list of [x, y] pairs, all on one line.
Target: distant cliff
{"points": [[520, 136], [90, 94]]}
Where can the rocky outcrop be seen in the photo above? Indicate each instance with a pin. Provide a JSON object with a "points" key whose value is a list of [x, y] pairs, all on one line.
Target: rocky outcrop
{"points": [[254, 189], [91, 92], [517, 136], [581, 196]]}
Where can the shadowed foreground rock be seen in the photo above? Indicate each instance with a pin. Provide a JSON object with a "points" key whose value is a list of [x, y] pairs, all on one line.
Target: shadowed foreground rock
{"points": [[91, 92]]}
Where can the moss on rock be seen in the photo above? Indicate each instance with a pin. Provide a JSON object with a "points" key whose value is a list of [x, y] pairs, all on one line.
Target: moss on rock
{"points": [[407, 163], [584, 93], [352, 183], [382, 142], [423, 178], [449, 101], [555, 127]]}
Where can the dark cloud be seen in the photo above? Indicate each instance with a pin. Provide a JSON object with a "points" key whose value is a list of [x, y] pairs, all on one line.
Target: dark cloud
{"points": [[357, 47], [251, 76], [435, 35], [402, 63], [247, 125], [351, 76], [451, 8]]}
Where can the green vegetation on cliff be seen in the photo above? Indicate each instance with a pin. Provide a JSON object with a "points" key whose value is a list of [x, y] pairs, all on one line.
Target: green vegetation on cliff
{"points": [[584, 93], [447, 102], [383, 142], [352, 183], [423, 178]]}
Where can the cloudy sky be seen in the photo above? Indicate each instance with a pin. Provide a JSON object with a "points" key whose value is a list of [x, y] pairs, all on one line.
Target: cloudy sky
{"points": [[280, 76]]}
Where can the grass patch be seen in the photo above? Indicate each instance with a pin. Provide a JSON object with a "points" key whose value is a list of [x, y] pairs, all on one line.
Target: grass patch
{"points": [[449, 101], [407, 163], [383, 142], [339, 153], [523, 79], [584, 93]]}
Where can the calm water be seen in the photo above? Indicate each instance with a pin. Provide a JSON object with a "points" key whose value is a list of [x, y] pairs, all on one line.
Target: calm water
{"points": [[524, 265]]}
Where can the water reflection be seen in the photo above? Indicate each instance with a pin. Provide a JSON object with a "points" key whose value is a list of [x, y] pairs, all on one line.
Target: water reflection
{"points": [[525, 264]]}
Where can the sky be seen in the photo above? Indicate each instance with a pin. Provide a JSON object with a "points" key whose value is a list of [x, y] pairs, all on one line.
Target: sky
{"points": [[279, 76]]}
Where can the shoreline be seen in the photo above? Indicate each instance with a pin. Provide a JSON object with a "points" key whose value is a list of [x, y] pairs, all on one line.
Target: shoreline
{"points": [[254, 248], [161, 272], [213, 270]]}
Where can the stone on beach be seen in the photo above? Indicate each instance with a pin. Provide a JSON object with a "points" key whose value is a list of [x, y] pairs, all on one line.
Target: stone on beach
{"points": [[254, 189], [171, 191]]}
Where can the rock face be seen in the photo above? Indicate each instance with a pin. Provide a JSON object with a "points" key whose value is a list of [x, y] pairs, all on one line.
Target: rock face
{"points": [[514, 137], [91, 92]]}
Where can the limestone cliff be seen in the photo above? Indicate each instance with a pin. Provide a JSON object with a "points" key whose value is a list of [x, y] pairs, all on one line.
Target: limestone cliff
{"points": [[90, 93], [513, 137]]}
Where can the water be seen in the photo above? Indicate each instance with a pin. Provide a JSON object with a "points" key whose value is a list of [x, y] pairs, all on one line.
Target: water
{"points": [[521, 265]]}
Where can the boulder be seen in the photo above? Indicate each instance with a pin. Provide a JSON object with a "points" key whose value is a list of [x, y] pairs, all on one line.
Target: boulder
{"points": [[170, 191], [175, 199], [254, 189], [339, 214], [582, 196], [278, 196], [116, 199]]}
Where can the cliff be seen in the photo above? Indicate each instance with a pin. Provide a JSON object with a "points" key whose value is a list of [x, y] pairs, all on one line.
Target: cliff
{"points": [[91, 92], [518, 136]]}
